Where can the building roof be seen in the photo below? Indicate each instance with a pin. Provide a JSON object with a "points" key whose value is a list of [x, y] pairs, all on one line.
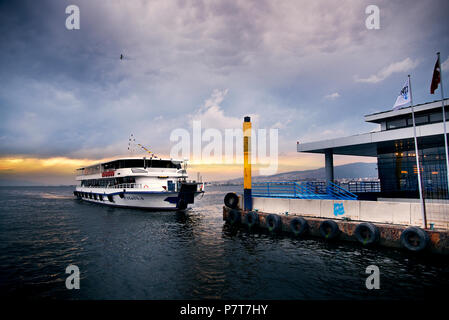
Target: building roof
{"points": [[366, 144], [381, 116]]}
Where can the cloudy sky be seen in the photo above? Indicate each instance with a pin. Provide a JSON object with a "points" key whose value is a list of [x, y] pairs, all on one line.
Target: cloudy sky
{"points": [[308, 68]]}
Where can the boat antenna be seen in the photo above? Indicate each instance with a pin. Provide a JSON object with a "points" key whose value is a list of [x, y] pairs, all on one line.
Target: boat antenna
{"points": [[147, 150]]}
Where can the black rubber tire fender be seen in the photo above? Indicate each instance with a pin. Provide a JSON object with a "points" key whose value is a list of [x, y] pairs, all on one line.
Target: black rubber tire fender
{"points": [[367, 233], [251, 219], [414, 239], [299, 226], [234, 217], [273, 222], [329, 229], [231, 200]]}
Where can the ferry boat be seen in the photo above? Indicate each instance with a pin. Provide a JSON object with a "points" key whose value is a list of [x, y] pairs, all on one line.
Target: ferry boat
{"points": [[138, 182]]}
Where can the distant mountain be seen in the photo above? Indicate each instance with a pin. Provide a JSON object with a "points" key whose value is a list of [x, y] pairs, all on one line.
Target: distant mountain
{"points": [[347, 171], [17, 183], [29, 183]]}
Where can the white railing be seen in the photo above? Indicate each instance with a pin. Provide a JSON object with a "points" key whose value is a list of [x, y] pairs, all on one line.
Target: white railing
{"points": [[119, 186], [130, 185]]}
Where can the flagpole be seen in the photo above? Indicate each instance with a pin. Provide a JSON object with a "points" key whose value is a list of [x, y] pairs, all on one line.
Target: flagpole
{"points": [[444, 120], [423, 208]]}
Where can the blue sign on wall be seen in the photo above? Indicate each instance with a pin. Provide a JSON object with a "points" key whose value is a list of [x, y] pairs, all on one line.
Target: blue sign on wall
{"points": [[339, 210]]}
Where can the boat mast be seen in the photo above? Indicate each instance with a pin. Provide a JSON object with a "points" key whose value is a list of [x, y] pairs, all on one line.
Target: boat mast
{"points": [[131, 144]]}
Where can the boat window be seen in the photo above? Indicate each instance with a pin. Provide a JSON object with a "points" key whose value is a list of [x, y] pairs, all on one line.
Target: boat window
{"points": [[139, 163], [135, 163], [151, 163], [110, 165], [129, 180]]}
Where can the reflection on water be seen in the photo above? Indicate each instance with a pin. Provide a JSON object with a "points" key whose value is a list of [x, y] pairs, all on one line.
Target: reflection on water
{"points": [[136, 254], [55, 196]]}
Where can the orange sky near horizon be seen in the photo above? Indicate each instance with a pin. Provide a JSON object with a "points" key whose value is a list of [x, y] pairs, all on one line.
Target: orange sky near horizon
{"points": [[61, 170]]}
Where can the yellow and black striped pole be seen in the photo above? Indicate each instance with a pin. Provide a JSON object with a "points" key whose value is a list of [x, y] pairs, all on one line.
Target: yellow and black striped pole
{"points": [[247, 198]]}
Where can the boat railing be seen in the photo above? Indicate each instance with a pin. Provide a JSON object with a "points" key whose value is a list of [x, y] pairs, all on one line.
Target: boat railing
{"points": [[120, 186], [128, 186]]}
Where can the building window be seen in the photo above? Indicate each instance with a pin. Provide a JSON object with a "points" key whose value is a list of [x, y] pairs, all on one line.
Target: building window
{"points": [[394, 124], [398, 173], [436, 117], [421, 119], [418, 120]]}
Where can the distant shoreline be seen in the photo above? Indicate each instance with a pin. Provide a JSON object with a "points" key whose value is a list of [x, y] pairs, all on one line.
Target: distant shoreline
{"points": [[37, 186]]}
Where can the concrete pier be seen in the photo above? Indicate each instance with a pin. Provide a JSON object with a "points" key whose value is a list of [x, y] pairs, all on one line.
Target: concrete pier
{"points": [[389, 234], [388, 212]]}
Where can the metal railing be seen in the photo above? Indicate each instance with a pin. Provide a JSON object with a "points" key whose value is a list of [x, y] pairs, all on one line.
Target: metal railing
{"points": [[128, 186], [134, 185], [301, 190], [361, 186], [119, 186]]}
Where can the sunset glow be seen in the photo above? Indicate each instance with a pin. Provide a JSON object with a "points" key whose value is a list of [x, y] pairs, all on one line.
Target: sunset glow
{"points": [[33, 169]]}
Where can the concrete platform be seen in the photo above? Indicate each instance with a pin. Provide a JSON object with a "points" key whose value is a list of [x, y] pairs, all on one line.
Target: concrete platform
{"points": [[389, 212], [390, 234]]}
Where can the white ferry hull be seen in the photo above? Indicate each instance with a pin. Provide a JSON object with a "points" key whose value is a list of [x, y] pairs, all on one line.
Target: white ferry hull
{"points": [[147, 183], [150, 200]]}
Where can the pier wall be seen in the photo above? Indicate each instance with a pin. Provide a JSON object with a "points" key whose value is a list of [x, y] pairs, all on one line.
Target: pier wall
{"points": [[390, 234], [398, 213]]}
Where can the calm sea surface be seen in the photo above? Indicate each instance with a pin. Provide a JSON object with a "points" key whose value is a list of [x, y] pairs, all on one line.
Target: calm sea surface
{"points": [[133, 254]]}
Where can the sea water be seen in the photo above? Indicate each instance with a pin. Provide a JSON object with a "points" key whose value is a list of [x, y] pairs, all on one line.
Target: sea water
{"points": [[137, 254]]}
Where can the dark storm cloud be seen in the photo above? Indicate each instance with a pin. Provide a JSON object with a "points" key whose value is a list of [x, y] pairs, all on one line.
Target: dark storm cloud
{"points": [[67, 93]]}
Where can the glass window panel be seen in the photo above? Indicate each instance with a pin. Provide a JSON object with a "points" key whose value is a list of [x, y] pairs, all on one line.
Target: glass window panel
{"points": [[421, 119], [418, 120], [436, 117], [394, 124]]}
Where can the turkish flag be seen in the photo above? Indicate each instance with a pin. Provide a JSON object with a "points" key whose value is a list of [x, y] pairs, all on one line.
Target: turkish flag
{"points": [[436, 77]]}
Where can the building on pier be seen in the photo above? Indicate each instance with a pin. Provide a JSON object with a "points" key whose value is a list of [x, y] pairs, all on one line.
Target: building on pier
{"points": [[393, 146]]}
